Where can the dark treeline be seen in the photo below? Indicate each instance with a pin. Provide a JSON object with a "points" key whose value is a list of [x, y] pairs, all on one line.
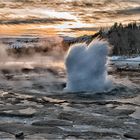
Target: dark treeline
{"points": [[125, 39]]}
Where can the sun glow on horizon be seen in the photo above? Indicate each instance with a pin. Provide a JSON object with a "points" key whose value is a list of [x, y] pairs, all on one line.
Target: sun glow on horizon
{"points": [[67, 17]]}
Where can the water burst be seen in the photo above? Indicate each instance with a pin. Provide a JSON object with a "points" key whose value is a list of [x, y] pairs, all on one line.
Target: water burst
{"points": [[86, 67]]}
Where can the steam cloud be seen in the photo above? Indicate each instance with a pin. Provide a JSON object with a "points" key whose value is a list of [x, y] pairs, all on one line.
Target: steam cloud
{"points": [[3, 53], [86, 67], [16, 60]]}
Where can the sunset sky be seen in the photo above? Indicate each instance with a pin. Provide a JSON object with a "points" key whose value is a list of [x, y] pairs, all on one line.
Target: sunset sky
{"points": [[64, 17]]}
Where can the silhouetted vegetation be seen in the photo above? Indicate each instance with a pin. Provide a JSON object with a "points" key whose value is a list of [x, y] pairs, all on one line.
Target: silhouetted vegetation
{"points": [[125, 39]]}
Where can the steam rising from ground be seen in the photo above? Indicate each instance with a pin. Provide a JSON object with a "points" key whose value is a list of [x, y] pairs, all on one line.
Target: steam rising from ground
{"points": [[53, 56], [30, 72], [86, 67], [39, 73], [3, 54]]}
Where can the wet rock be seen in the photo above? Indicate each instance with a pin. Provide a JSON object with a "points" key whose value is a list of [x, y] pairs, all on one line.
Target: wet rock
{"points": [[19, 135], [88, 130], [13, 100], [73, 138], [1, 102], [6, 136], [92, 119], [26, 70], [14, 128], [52, 100], [44, 136], [5, 95], [53, 71], [110, 106], [63, 85], [9, 76], [133, 135], [136, 114], [5, 71], [27, 112], [122, 112], [54, 122], [9, 106]]}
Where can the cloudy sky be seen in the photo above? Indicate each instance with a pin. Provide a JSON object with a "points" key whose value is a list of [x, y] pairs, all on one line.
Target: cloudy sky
{"points": [[67, 17]]}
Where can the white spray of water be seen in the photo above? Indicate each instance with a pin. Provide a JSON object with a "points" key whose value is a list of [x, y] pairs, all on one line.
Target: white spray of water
{"points": [[86, 67]]}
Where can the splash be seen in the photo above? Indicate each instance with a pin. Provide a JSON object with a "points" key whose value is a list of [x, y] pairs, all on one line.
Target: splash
{"points": [[86, 67]]}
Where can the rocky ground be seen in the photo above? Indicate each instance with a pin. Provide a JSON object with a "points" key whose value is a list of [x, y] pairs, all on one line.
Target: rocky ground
{"points": [[33, 106]]}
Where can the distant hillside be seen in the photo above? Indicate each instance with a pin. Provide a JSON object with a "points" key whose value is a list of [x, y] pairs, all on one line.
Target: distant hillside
{"points": [[124, 39]]}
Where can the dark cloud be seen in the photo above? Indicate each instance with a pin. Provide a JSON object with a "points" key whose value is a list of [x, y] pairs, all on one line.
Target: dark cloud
{"points": [[36, 20], [90, 14], [129, 11], [85, 29]]}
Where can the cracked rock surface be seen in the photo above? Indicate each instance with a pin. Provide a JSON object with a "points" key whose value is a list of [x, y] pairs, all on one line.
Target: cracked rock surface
{"points": [[34, 106]]}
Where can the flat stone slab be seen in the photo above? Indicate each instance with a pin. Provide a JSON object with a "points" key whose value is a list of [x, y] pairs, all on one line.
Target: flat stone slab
{"points": [[27, 112], [15, 128], [54, 122], [133, 135], [44, 136], [6, 136], [136, 114]]}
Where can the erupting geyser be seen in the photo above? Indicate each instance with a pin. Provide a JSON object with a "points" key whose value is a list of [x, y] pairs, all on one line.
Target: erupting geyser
{"points": [[86, 67]]}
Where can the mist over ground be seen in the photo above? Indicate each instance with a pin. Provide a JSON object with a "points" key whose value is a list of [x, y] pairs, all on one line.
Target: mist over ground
{"points": [[23, 52]]}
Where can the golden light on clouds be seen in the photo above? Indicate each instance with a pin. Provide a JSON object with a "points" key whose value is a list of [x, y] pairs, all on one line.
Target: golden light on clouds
{"points": [[24, 29], [65, 17]]}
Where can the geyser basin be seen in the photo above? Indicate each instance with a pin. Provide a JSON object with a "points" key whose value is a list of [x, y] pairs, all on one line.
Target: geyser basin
{"points": [[86, 67]]}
